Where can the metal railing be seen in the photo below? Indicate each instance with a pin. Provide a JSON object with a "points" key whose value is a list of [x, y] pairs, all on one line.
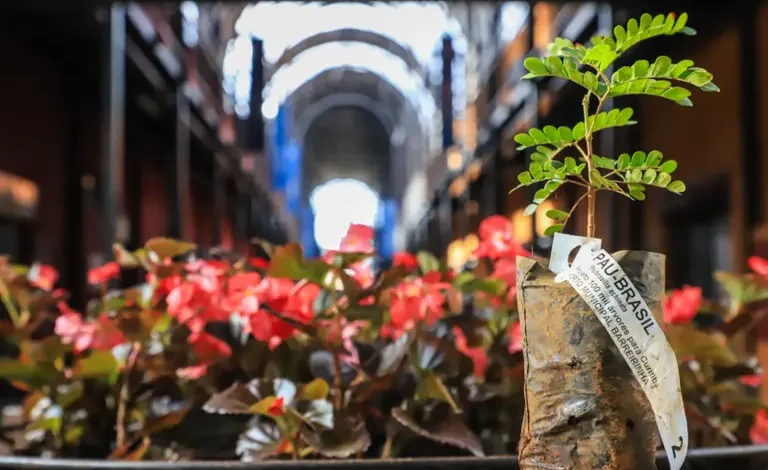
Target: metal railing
{"points": [[741, 457]]}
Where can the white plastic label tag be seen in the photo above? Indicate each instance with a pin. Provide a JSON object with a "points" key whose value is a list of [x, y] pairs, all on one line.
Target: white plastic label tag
{"points": [[562, 245], [605, 287]]}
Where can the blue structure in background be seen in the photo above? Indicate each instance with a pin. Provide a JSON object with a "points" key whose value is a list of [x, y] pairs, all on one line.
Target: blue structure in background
{"points": [[311, 249], [293, 174], [281, 140], [286, 165], [387, 228]]}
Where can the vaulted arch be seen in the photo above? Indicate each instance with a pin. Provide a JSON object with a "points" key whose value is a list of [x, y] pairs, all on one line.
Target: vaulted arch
{"points": [[347, 142], [357, 100], [369, 37], [342, 86], [365, 90]]}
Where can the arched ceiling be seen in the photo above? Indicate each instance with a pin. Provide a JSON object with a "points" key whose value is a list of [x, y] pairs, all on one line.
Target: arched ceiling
{"points": [[339, 55], [354, 74], [346, 142], [339, 84], [399, 41], [365, 92], [371, 38]]}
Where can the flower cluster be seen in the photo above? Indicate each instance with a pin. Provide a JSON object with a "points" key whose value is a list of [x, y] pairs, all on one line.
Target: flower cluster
{"points": [[718, 386], [498, 244], [317, 358], [230, 334]]}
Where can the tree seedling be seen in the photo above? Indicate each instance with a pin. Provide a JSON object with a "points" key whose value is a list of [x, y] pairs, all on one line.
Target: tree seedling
{"points": [[587, 66]]}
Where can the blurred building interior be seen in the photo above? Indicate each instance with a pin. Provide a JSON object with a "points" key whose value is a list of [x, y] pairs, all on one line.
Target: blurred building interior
{"points": [[221, 122]]}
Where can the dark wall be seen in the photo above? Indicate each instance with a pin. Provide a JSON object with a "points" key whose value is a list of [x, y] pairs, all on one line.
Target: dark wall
{"points": [[33, 129], [47, 129]]}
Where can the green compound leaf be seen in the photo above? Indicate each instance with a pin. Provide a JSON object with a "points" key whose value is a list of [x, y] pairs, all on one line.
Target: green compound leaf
{"points": [[677, 187], [643, 78], [561, 137], [649, 27], [557, 215], [568, 69], [553, 229]]}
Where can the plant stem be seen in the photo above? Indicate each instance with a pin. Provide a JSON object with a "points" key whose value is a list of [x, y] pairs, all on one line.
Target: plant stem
{"points": [[294, 447], [589, 129], [125, 393], [338, 380], [13, 312], [591, 213], [588, 158], [386, 452], [338, 397], [570, 213]]}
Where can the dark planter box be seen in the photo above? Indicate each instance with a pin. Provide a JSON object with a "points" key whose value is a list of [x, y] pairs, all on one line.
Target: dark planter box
{"points": [[737, 457]]}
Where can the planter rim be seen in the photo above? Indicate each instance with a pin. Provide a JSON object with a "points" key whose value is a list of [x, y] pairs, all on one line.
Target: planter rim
{"points": [[495, 462]]}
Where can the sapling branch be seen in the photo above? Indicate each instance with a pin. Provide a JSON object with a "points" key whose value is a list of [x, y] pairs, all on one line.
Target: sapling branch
{"points": [[125, 394], [627, 175]]}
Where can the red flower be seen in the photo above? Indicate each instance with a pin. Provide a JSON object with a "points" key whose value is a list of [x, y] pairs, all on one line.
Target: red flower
{"points": [[276, 291], [413, 301], [515, 333], [277, 407], [362, 272], [300, 304], [68, 327], [208, 348], [192, 372], [343, 334], [106, 335], [104, 274], [477, 354], [163, 286], [99, 335], [359, 239], [194, 305], [497, 239], [751, 380], [208, 275], [282, 297], [243, 293], [263, 326], [405, 260], [758, 265], [505, 269], [682, 305], [185, 302], [259, 263], [758, 433], [43, 276]]}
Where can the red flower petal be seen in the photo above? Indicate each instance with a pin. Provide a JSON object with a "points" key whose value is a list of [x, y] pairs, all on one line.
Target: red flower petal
{"points": [[192, 372], [276, 408], [751, 380], [405, 260], [758, 433], [758, 265], [515, 333], [103, 274], [43, 276], [359, 239], [682, 305]]}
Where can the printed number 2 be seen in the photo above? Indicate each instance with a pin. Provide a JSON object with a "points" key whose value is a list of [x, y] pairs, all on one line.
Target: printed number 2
{"points": [[677, 448]]}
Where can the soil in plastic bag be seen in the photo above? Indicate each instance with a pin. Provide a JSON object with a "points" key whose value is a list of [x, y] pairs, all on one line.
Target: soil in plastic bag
{"points": [[584, 409]]}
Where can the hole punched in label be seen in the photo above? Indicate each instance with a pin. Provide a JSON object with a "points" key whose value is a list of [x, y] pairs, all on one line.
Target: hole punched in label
{"points": [[563, 246]]}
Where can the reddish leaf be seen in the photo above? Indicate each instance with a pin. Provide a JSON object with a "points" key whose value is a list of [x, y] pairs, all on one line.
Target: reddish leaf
{"points": [[346, 439], [449, 430]]}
